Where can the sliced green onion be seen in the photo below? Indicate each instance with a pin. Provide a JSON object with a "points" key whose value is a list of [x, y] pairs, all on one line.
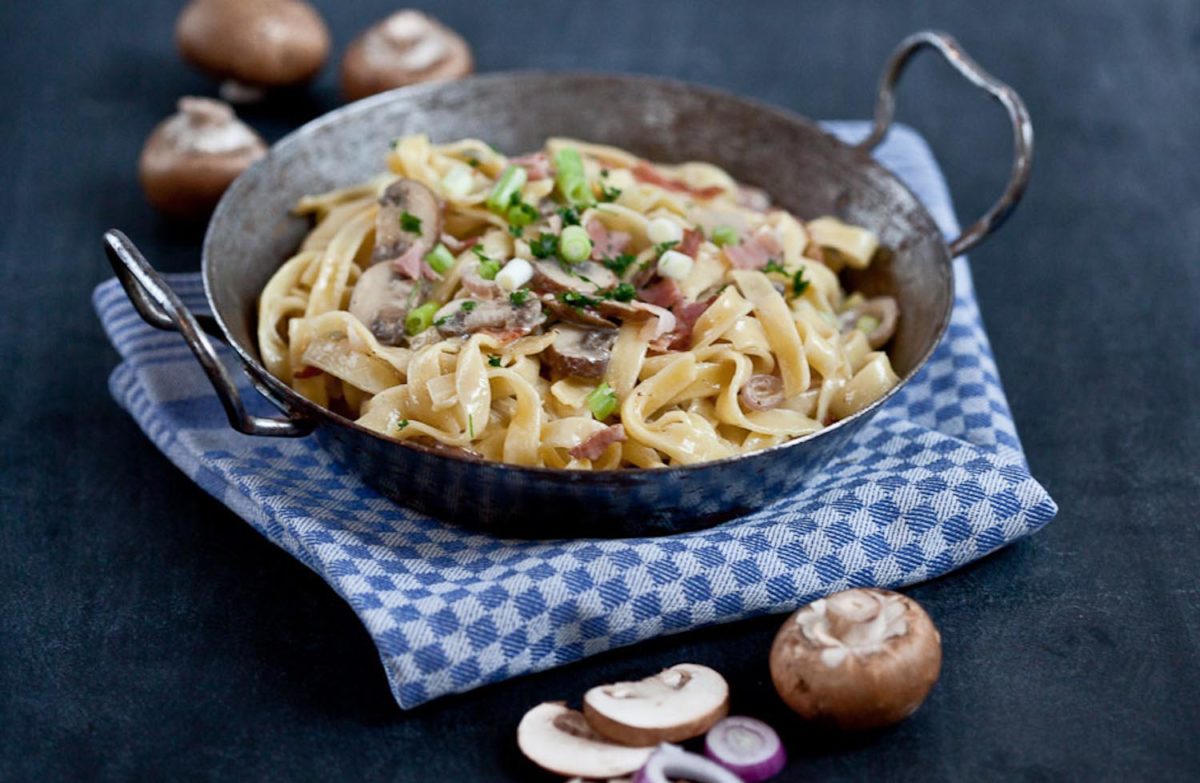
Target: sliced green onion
{"points": [[440, 259], [572, 182], [512, 179], [521, 214], [867, 324], [488, 269], [574, 245], [724, 235], [602, 402], [420, 318]]}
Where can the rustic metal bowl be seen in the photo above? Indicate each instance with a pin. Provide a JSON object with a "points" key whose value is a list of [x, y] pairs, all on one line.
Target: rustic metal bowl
{"points": [[805, 169]]}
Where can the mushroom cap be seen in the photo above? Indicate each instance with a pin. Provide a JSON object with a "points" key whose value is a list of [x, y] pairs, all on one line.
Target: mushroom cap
{"points": [[859, 659], [407, 225], [191, 157], [558, 739], [580, 351], [406, 48], [676, 704], [381, 300], [268, 43]]}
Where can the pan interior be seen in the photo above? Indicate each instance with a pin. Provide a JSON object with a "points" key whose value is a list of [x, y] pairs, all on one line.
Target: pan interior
{"points": [[803, 168]]}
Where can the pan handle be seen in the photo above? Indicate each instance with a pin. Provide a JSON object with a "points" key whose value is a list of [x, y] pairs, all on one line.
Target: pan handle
{"points": [[160, 307], [1018, 115]]}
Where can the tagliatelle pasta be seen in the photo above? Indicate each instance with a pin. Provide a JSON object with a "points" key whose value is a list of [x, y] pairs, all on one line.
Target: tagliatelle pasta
{"points": [[575, 308]]}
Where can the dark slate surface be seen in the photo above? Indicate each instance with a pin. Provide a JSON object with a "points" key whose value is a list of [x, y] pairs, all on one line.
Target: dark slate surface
{"points": [[147, 632]]}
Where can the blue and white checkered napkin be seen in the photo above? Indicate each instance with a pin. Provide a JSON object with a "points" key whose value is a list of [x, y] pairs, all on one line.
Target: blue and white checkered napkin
{"points": [[934, 481]]}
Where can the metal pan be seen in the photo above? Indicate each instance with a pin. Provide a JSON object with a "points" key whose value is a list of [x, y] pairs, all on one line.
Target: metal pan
{"points": [[805, 169]]}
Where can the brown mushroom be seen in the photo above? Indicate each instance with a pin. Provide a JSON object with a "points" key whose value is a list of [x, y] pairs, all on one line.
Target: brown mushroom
{"points": [[382, 300], [559, 740], [579, 351], [192, 156], [676, 704], [252, 45], [586, 278], [876, 317], [407, 226], [859, 659], [467, 316], [406, 48]]}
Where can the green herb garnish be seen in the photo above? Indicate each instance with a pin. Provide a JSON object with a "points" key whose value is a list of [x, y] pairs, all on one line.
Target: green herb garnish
{"points": [[576, 299], [621, 293], [799, 284], [521, 214], [663, 247], [468, 305], [519, 297], [400, 425], [620, 263], [569, 215], [609, 194], [410, 223], [488, 269], [494, 361], [544, 246], [774, 266], [515, 231]]}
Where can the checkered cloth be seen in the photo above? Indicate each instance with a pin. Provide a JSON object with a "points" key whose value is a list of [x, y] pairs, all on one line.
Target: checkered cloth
{"points": [[937, 479]]}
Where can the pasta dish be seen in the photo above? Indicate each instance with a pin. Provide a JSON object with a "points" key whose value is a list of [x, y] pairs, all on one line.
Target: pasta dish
{"points": [[577, 307]]}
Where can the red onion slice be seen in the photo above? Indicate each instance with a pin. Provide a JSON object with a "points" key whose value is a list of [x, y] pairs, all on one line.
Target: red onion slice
{"points": [[671, 761], [746, 747]]}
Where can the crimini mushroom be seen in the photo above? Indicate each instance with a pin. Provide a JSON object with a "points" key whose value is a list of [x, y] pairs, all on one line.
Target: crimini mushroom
{"points": [[676, 704], [579, 351], [252, 45], [407, 226], [558, 739], [191, 157], [382, 299], [406, 48], [860, 659]]}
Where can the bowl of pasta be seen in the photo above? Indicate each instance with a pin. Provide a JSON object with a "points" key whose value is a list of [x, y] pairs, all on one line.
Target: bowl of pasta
{"points": [[570, 305]]}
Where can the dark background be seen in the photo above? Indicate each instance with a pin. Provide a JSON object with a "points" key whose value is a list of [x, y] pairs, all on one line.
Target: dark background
{"points": [[147, 632]]}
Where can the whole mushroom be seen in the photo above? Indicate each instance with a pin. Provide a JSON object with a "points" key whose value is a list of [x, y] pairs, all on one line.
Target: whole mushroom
{"points": [[252, 45], [859, 659], [192, 156], [406, 48]]}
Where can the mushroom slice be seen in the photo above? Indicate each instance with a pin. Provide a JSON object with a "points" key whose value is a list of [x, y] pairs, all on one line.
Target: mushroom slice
{"points": [[406, 48], [676, 704], [467, 316], [875, 317], [585, 278], [192, 157], [559, 740], [585, 316], [860, 659], [382, 299], [579, 351], [407, 226]]}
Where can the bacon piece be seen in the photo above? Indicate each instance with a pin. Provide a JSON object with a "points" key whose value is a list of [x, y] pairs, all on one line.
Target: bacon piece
{"points": [[690, 243], [644, 172], [664, 293], [536, 165], [762, 392], [307, 371], [596, 443], [605, 243], [755, 252]]}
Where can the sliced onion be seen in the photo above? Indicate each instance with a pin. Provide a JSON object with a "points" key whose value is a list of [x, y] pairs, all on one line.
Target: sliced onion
{"points": [[666, 319], [671, 761], [747, 747]]}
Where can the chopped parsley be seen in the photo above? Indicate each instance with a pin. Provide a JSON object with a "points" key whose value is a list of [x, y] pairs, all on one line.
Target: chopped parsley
{"points": [[620, 263], [442, 321], [468, 305], [799, 284], [519, 297], [410, 223], [479, 253], [609, 194], [520, 213], [569, 215], [663, 247], [604, 172], [516, 231], [544, 246], [393, 143], [621, 293], [774, 266], [400, 425], [494, 361], [576, 299], [473, 162]]}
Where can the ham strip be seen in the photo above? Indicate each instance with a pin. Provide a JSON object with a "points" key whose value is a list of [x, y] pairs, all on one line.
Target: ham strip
{"points": [[605, 243], [536, 165], [755, 252], [409, 264], [690, 244], [644, 172], [664, 293], [595, 445]]}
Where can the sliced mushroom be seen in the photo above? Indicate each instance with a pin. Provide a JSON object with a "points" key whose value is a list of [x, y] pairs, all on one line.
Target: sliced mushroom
{"points": [[407, 226], [579, 351], [406, 48], [860, 659], [192, 157], [559, 740], [467, 316], [576, 314], [762, 392], [586, 278], [382, 299], [676, 704], [875, 317], [252, 44]]}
